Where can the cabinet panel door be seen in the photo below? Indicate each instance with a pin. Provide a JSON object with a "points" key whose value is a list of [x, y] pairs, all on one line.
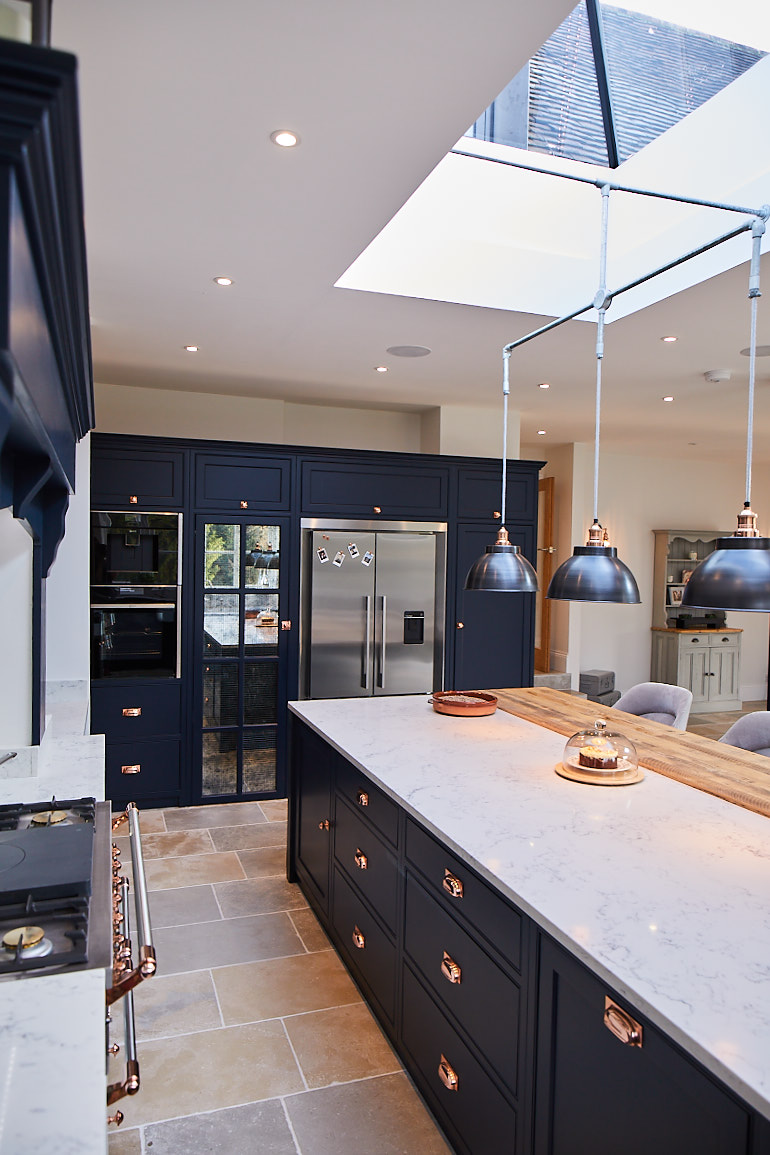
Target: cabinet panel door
{"points": [[693, 672], [598, 1095], [480, 493], [225, 483], [494, 647], [723, 672], [400, 491], [155, 480], [312, 762], [147, 771]]}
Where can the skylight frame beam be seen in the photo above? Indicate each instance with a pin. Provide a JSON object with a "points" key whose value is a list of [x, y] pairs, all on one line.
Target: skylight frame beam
{"points": [[596, 30]]}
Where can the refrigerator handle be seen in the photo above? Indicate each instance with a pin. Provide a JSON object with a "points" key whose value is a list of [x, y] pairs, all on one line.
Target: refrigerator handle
{"points": [[367, 654], [383, 636]]}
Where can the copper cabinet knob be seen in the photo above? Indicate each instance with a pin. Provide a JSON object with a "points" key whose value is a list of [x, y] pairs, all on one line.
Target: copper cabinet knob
{"points": [[450, 969], [497, 514], [448, 1075], [377, 508], [452, 884], [359, 941], [360, 859], [460, 625], [325, 825], [117, 1118], [622, 1025], [114, 1049], [362, 798]]}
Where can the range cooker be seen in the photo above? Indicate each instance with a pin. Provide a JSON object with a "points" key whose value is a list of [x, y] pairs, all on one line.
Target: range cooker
{"points": [[55, 887]]}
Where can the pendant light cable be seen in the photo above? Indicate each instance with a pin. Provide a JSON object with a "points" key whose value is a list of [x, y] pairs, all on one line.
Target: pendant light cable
{"points": [[757, 231], [506, 391], [601, 303]]}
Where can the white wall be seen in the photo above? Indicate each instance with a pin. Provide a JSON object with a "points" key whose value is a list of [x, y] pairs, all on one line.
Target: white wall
{"points": [[466, 431], [16, 632], [67, 617]]}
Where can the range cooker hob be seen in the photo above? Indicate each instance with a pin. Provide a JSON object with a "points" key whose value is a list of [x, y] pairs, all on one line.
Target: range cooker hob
{"points": [[55, 904]]}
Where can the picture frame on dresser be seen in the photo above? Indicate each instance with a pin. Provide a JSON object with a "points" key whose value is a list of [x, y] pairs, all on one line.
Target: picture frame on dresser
{"points": [[675, 593]]}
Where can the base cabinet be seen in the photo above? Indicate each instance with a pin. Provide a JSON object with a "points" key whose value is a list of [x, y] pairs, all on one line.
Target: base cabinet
{"points": [[505, 1033], [706, 662]]}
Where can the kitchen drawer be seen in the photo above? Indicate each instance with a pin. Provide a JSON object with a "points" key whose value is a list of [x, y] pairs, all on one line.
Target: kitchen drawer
{"points": [[242, 483], [365, 945], [367, 863], [473, 899], [367, 800], [398, 490], [476, 1110], [123, 713], [707, 641], [470, 988], [157, 774]]}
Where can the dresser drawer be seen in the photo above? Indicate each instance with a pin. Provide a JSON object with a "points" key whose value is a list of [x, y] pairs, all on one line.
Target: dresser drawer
{"points": [[708, 641], [468, 985], [367, 948], [461, 891], [367, 862], [123, 713], [452, 1080], [142, 769], [368, 800]]}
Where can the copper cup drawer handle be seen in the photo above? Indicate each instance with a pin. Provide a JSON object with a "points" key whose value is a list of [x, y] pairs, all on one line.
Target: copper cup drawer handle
{"points": [[362, 798], [452, 884], [325, 825], [135, 768], [450, 970], [359, 940], [360, 859], [448, 1075], [622, 1025], [132, 711]]}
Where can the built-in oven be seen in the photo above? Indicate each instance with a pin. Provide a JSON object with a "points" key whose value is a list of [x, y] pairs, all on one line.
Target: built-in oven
{"points": [[135, 594]]}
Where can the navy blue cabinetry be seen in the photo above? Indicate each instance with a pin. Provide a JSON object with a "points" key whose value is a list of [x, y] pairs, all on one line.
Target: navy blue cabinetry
{"points": [[141, 724], [134, 478], [240, 481], [479, 493], [401, 490]]}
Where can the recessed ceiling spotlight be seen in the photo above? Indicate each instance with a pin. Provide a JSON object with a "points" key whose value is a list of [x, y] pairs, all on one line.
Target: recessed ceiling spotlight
{"points": [[191, 348], [541, 432], [380, 368], [284, 138], [223, 281], [669, 398], [669, 340], [544, 385], [761, 351], [408, 350]]}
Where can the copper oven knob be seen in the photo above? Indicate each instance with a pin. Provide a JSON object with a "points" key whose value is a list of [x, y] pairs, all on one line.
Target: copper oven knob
{"points": [[117, 1118]]}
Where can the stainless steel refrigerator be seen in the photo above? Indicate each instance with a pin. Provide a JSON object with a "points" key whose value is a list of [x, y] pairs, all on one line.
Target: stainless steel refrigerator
{"points": [[373, 602]]}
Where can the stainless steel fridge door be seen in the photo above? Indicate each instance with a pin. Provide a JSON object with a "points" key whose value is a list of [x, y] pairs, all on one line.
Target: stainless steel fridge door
{"points": [[405, 593], [342, 614]]}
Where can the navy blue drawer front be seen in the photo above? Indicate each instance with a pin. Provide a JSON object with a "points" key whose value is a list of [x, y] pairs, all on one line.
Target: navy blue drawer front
{"points": [[367, 863], [482, 1117], [367, 800], [142, 769], [133, 478], [123, 713], [471, 989], [462, 892], [480, 493], [365, 945], [387, 491], [225, 483]]}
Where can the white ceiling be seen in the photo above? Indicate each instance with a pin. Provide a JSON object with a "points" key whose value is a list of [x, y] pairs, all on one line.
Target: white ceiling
{"points": [[182, 184]]}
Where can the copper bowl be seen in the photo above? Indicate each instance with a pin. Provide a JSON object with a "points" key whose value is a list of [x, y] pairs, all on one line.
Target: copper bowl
{"points": [[464, 703]]}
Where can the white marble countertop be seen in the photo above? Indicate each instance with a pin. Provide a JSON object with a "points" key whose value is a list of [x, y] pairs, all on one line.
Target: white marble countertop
{"points": [[662, 890]]}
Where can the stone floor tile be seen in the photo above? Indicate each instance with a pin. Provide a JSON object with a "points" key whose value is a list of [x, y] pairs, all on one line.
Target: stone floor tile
{"points": [[340, 1045], [175, 843], [211, 1070], [275, 809], [176, 1005], [255, 1127], [258, 896], [386, 1111], [287, 986], [182, 905], [231, 940], [167, 873], [309, 930], [248, 837], [226, 814], [125, 1142], [151, 821], [267, 862]]}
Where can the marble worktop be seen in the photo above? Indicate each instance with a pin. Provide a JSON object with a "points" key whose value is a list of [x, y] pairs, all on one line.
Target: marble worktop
{"points": [[660, 889]]}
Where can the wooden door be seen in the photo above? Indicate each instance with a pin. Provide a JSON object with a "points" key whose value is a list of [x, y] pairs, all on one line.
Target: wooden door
{"points": [[545, 550]]}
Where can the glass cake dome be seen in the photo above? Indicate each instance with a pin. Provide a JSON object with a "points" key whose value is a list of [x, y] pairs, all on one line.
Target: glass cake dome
{"points": [[600, 756]]}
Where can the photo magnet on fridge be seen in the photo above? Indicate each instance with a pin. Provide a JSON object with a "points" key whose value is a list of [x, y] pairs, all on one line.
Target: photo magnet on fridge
{"points": [[322, 555], [368, 558], [353, 549], [339, 558]]}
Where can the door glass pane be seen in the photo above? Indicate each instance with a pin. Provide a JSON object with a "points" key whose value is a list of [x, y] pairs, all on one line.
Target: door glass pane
{"points": [[221, 555], [259, 761], [220, 694], [262, 546], [260, 686], [261, 625], [220, 762], [220, 624]]}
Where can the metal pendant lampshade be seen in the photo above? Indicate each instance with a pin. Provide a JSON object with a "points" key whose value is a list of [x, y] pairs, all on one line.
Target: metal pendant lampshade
{"points": [[736, 576]]}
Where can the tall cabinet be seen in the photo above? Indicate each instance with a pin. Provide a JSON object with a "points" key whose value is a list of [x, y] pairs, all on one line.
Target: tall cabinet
{"points": [[216, 732], [690, 647]]}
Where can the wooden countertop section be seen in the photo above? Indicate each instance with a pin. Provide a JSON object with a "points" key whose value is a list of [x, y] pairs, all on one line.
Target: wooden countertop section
{"points": [[695, 630], [737, 776]]}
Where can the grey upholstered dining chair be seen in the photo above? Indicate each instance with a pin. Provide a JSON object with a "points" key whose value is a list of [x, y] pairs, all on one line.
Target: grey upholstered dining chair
{"points": [[750, 732], [659, 702]]}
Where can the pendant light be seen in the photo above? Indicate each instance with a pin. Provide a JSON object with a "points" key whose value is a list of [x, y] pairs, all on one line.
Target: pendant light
{"points": [[736, 576], [502, 568], [595, 573]]}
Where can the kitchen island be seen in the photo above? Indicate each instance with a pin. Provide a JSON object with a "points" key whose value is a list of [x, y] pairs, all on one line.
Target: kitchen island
{"points": [[657, 889]]}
